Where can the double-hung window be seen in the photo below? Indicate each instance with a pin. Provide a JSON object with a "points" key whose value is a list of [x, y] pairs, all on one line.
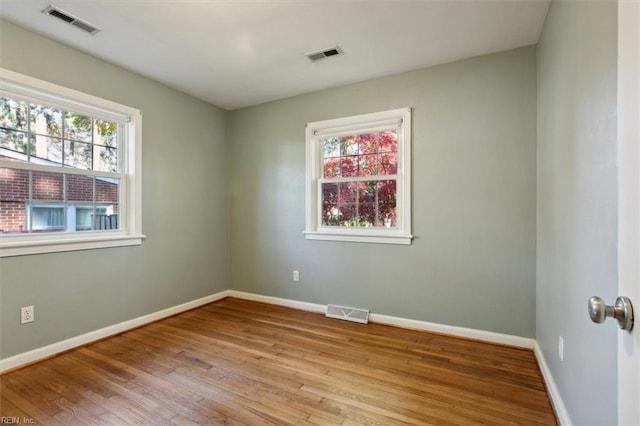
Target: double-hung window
{"points": [[359, 178], [69, 169]]}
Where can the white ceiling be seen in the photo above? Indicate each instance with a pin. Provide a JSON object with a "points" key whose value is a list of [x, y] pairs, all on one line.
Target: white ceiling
{"points": [[245, 52]]}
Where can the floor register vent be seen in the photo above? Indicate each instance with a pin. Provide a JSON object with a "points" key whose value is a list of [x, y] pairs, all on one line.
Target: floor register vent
{"points": [[348, 314]]}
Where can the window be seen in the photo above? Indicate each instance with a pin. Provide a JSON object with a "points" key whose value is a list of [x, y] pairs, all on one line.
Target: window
{"points": [[69, 169], [359, 178]]}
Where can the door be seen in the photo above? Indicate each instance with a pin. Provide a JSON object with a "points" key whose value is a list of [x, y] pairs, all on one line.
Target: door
{"points": [[629, 205]]}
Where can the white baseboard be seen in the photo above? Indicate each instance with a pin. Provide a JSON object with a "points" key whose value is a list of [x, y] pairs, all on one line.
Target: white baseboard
{"points": [[55, 348], [469, 333], [556, 400], [295, 304], [485, 336]]}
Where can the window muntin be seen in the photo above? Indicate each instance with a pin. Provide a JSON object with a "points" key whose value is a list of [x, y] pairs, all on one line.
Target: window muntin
{"points": [[69, 169], [358, 178]]}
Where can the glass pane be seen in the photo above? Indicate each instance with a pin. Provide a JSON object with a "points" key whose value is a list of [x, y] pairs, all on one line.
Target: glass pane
{"points": [[368, 165], [13, 142], [347, 192], [388, 164], [331, 147], [46, 120], [47, 186], [330, 215], [107, 190], [329, 193], [47, 218], [349, 145], [106, 217], [77, 127], [367, 143], [13, 114], [348, 215], [80, 188], [349, 166], [105, 159], [77, 155], [367, 214], [107, 134], [48, 150], [84, 218], [14, 192], [387, 216], [388, 141], [331, 167], [387, 193], [367, 191]]}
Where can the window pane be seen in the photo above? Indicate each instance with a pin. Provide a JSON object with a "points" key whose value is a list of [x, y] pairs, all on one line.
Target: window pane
{"points": [[348, 214], [12, 142], [77, 127], [47, 218], [14, 192], [77, 155], [349, 145], [387, 192], [105, 159], [349, 166], [347, 192], [368, 165], [388, 164], [47, 186], [331, 147], [80, 188], [330, 215], [107, 190], [367, 143], [46, 120], [84, 218], [13, 114], [367, 191], [105, 152], [329, 193], [388, 141], [107, 134], [331, 167], [106, 217], [48, 150]]}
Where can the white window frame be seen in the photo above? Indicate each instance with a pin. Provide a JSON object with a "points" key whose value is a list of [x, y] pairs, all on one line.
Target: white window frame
{"points": [[22, 87], [377, 121]]}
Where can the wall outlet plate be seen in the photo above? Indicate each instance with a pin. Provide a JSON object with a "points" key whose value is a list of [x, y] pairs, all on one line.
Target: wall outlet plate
{"points": [[26, 315], [561, 348], [296, 276]]}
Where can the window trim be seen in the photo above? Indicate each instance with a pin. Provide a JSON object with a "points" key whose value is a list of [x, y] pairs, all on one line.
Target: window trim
{"points": [[25, 87], [347, 125]]}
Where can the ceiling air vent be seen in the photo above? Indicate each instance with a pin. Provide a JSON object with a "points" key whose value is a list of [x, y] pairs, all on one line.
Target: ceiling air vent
{"points": [[70, 19], [325, 53]]}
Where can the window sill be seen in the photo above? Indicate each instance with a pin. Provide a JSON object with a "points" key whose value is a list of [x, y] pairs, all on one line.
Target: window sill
{"points": [[358, 238], [39, 244]]}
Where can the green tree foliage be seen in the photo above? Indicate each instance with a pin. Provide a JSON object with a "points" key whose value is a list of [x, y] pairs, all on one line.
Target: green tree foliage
{"points": [[46, 132]]}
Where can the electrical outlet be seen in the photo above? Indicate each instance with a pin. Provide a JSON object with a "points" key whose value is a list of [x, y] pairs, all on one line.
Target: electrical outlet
{"points": [[26, 314], [296, 276], [561, 348]]}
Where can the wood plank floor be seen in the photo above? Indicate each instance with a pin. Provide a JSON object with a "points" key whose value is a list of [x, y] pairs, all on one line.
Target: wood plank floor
{"points": [[241, 362]]}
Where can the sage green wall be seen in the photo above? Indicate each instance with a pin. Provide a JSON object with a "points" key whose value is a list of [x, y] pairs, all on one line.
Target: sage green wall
{"points": [[472, 263], [577, 204], [184, 209]]}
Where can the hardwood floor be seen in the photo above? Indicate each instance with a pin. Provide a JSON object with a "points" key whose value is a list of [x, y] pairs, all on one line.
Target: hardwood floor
{"points": [[241, 362]]}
